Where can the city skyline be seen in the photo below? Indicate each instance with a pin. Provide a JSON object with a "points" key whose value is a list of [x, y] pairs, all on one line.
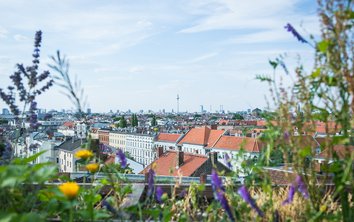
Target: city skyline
{"points": [[141, 55]]}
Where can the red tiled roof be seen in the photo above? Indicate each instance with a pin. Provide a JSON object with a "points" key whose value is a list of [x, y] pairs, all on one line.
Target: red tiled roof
{"points": [[223, 122], [169, 137], [202, 136], [166, 164], [236, 143], [69, 124], [341, 150], [332, 127]]}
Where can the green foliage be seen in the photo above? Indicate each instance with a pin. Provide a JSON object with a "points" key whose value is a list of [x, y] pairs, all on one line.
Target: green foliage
{"points": [[134, 120], [3, 121], [122, 122], [237, 116], [153, 121]]}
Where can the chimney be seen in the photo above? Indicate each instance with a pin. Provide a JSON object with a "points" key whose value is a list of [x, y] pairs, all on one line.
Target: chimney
{"points": [[180, 159], [213, 156], [159, 151]]}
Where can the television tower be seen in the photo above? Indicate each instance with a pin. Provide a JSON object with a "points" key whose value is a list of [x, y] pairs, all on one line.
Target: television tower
{"points": [[177, 103]]}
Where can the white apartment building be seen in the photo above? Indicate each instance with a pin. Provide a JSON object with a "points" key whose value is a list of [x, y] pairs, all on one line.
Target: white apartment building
{"points": [[118, 140], [66, 155], [141, 147]]}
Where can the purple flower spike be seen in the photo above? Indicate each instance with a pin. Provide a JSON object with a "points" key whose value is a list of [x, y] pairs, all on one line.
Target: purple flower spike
{"points": [[291, 193], [122, 159], [225, 204], [299, 185], [243, 192], [291, 29], [216, 182], [183, 193], [302, 187], [151, 175], [228, 161], [159, 193]]}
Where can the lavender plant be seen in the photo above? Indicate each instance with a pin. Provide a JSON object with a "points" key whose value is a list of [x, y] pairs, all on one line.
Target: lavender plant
{"points": [[28, 83]]}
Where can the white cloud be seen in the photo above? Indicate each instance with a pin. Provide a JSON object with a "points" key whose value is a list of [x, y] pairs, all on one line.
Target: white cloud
{"points": [[136, 69], [243, 15], [203, 57], [3, 32], [20, 38]]}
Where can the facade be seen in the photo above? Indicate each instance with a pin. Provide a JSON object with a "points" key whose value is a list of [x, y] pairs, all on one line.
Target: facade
{"points": [[141, 147], [94, 133], [66, 151], [199, 140], [103, 137], [168, 141], [232, 146], [118, 140], [67, 129]]}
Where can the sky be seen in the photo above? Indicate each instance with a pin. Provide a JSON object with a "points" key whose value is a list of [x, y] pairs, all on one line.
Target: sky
{"points": [[141, 54]]}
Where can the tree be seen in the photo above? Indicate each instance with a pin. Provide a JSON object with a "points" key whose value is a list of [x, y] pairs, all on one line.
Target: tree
{"points": [[237, 116], [122, 122], [134, 120], [153, 121]]}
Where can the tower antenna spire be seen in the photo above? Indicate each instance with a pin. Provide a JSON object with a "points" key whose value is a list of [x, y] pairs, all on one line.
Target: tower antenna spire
{"points": [[177, 103]]}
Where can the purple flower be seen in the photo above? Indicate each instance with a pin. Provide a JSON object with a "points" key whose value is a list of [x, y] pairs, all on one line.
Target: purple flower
{"points": [[216, 182], [291, 29], [291, 193], [151, 175], [122, 159], [228, 160], [302, 187], [286, 135], [299, 185], [225, 204], [243, 192], [38, 39], [183, 193], [159, 193]]}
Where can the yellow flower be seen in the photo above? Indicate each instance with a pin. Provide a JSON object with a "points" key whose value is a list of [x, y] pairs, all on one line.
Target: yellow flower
{"points": [[92, 167], [83, 154], [69, 189], [323, 208]]}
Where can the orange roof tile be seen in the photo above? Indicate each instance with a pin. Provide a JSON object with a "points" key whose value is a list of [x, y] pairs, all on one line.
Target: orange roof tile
{"points": [[166, 164], [169, 137], [202, 136], [236, 143], [69, 124], [341, 150]]}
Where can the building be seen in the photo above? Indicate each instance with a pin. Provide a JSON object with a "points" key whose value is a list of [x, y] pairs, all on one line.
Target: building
{"points": [[141, 147], [178, 163], [118, 140], [232, 146], [67, 129], [199, 140], [103, 136], [66, 155], [168, 141]]}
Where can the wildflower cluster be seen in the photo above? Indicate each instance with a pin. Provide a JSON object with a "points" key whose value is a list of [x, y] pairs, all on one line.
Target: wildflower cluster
{"points": [[36, 84]]}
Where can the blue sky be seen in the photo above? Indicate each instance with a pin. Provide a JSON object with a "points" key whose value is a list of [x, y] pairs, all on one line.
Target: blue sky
{"points": [[141, 54]]}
